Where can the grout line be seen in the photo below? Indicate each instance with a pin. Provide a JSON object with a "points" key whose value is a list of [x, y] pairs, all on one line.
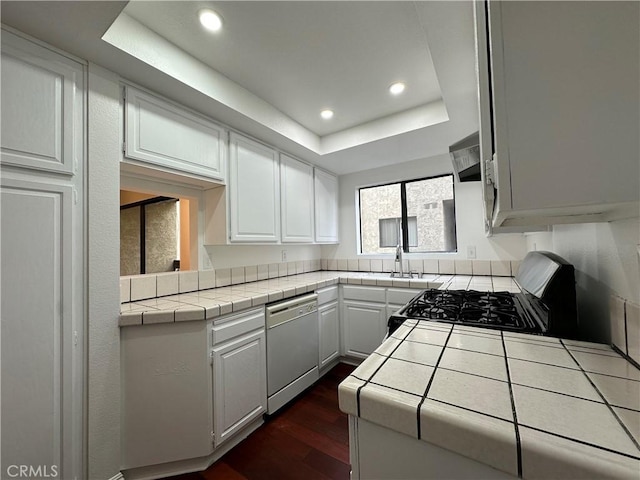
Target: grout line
{"points": [[386, 357], [613, 412], [581, 442], [513, 408], [472, 410], [426, 391]]}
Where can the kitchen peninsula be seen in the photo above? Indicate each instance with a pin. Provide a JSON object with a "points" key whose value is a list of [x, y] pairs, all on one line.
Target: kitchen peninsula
{"points": [[443, 401]]}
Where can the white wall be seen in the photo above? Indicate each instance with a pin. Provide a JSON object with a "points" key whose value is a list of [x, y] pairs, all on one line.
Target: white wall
{"points": [[606, 260], [227, 256], [104, 273], [469, 214]]}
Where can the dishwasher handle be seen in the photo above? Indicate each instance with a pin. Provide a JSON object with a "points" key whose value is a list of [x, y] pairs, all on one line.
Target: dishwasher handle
{"points": [[286, 311]]}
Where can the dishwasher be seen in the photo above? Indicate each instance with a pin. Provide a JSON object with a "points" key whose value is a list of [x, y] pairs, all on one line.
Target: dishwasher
{"points": [[292, 349]]}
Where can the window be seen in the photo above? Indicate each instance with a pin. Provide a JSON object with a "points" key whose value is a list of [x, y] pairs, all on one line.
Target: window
{"points": [[417, 214], [390, 229]]}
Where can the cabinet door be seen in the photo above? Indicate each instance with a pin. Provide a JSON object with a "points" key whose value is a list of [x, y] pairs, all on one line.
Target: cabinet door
{"points": [[239, 384], [329, 323], [296, 187], [364, 327], [326, 206], [254, 191], [565, 115], [41, 400], [42, 112], [165, 135]]}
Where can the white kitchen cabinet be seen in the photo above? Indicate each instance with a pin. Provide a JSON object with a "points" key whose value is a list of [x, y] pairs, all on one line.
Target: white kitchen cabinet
{"points": [[558, 111], [42, 256], [239, 373], [329, 323], [254, 191], [364, 327], [297, 200], [326, 206], [170, 138], [42, 108]]}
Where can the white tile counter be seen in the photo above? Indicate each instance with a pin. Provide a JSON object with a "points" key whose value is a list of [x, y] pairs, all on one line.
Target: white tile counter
{"points": [[210, 303], [530, 406]]}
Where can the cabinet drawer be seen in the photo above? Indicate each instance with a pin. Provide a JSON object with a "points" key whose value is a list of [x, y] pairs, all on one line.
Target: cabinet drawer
{"points": [[328, 294], [226, 328], [400, 296], [368, 294]]}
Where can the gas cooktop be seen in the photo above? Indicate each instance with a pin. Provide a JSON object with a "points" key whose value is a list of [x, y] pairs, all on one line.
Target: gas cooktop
{"points": [[501, 310], [546, 306]]}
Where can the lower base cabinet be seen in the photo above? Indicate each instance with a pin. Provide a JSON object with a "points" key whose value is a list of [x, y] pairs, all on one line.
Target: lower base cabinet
{"points": [[364, 327], [239, 372], [239, 384], [329, 329]]}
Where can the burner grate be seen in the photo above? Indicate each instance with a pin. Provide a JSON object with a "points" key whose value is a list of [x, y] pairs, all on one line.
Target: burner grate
{"points": [[467, 307]]}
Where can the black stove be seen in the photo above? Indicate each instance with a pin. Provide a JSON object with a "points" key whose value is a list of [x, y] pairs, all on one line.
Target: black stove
{"points": [[546, 306]]}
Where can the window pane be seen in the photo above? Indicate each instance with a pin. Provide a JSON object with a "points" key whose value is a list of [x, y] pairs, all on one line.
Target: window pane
{"points": [[376, 204], [431, 203], [389, 232]]}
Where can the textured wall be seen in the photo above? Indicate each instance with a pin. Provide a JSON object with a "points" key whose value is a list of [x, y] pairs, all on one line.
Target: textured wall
{"points": [[104, 293], [130, 241], [161, 234]]}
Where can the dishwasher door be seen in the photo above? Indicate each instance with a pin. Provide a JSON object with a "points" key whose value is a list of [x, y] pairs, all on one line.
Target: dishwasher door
{"points": [[292, 349]]}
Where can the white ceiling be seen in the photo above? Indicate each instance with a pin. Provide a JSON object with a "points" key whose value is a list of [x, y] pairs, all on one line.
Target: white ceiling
{"points": [[275, 65], [302, 57]]}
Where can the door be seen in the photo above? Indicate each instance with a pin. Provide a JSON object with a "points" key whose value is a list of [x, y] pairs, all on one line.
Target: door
{"points": [[329, 324], [163, 134], [42, 113], [254, 191], [326, 206], [239, 384], [41, 388], [364, 327], [296, 184], [42, 256]]}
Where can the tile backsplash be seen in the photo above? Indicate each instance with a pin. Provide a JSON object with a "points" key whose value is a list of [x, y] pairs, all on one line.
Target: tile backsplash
{"points": [[140, 287]]}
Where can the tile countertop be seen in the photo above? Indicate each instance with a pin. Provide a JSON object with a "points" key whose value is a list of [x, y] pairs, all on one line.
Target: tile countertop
{"points": [[207, 304], [531, 406]]}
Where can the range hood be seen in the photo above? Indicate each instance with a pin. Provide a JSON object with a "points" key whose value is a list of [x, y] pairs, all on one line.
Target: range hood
{"points": [[465, 156]]}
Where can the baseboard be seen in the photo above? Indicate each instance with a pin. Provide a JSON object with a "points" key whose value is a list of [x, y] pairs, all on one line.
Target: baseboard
{"points": [[117, 476]]}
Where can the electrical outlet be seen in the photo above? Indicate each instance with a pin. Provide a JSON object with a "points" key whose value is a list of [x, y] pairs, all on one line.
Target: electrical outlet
{"points": [[284, 255], [471, 252]]}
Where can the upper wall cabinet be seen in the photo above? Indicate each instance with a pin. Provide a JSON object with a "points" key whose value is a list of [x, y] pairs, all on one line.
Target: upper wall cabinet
{"points": [[296, 189], [254, 191], [42, 108], [172, 139], [326, 206], [559, 111]]}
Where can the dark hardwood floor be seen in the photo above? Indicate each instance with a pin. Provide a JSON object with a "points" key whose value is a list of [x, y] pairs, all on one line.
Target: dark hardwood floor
{"points": [[307, 439]]}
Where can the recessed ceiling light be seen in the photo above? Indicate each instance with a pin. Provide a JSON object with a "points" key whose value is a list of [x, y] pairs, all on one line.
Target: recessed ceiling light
{"points": [[210, 20], [326, 114], [396, 88]]}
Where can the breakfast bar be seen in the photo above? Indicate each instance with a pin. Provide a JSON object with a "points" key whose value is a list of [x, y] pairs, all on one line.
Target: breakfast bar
{"points": [[437, 400]]}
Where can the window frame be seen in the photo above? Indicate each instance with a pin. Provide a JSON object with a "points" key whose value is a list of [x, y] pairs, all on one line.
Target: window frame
{"points": [[404, 216]]}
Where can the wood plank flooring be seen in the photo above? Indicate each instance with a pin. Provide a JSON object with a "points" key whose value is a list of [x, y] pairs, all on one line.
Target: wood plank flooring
{"points": [[307, 439]]}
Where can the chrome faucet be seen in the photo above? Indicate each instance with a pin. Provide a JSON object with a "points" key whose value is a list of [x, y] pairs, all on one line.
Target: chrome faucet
{"points": [[399, 258]]}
